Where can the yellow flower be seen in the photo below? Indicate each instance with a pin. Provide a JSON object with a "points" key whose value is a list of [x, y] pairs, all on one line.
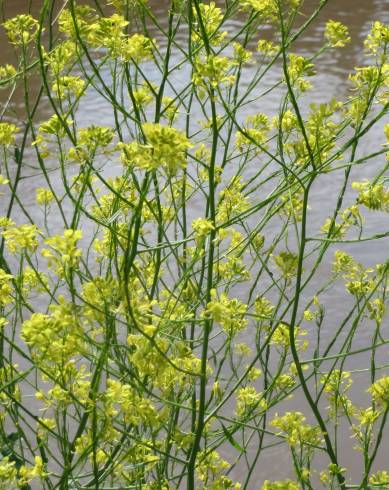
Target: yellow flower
{"points": [[380, 391], [3, 180], [21, 29], [212, 71], [280, 485], [8, 473], [85, 18], [165, 147], [267, 48], [202, 227], [134, 408], [378, 38], [21, 238], [268, 10], [44, 196], [54, 338], [212, 17], [263, 307], [336, 34], [373, 196], [287, 262], [63, 252], [27, 474], [7, 133], [380, 479], [33, 280], [143, 96], [7, 72], [297, 432], [229, 313], [61, 57], [232, 201], [247, 399], [210, 465], [93, 137], [281, 337], [298, 68], [66, 86], [137, 48]]}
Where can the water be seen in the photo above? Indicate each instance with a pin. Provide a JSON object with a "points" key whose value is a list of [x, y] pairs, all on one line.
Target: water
{"points": [[333, 69]]}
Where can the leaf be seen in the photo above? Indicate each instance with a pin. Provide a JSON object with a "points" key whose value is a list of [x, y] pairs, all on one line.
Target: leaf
{"points": [[232, 440]]}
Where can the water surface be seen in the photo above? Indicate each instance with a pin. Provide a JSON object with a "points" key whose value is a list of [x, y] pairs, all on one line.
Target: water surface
{"points": [[332, 81]]}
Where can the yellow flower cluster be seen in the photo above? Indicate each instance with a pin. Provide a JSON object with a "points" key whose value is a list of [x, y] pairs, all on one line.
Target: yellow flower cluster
{"points": [[151, 360], [54, 127], [84, 18], [248, 399], [29, 473], [202, 227], [32, 280], [267, 48], [336, 34], [211, 19], [255, 132], [232, 201], [287, 263], [296, 431], [373, 196], [123, 399], [379, 479], [229, 313], [361, 280], [54, 338], [6, 288], [102, 297], [44, 196], [23, 238], [165, 147], [210, 469], [367, 80], [212, 71], [263, 307], [380, 391], [8, 473], [336, 385], [7, 133], [7, 72], [281, 337], [108, 32], [280, 485], [61, 57], [233, 268], [21, 29], [67, 86], [378, 39], [63, 253], [89, 140], [137, 48], [292, 204], [268, 10], [298, 68], [71, 386]]}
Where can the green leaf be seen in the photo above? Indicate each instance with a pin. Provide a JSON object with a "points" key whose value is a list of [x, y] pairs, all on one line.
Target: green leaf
{"points": [[232, 440]]}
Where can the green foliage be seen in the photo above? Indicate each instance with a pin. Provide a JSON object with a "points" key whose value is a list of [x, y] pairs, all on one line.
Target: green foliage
{"points": [[163, 299]]}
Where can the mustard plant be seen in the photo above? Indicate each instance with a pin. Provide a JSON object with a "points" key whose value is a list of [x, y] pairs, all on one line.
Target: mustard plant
{"points": [[164, 283]]}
